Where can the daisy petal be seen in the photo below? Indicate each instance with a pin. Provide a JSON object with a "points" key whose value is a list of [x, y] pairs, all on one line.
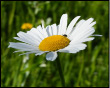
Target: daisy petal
{"points": [[54, 28], [34, 36], [76, 27], [97, 35], [83, 26], [51, 56], [40, 53], [88, 39], [24, 37], [32, 42], [79, 38], [37, 32], [22, 46], [73, 48], [80, 23], [49, 30], [33, 51], [29, 53], [83, 29], [42, 31], [42, 24], [63, 24], [70, 26]]}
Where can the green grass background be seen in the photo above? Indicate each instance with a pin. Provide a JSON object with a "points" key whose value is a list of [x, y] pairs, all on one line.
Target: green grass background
{"points": [[87, 68]]}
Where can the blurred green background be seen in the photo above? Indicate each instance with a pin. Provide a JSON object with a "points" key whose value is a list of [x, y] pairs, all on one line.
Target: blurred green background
{"points": [[87, 68]]}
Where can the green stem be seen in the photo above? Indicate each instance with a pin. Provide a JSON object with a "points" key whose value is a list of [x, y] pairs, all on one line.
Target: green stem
{"points": [[60, 72]]}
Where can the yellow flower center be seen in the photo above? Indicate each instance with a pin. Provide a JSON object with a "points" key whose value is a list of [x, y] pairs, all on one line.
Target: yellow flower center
{"points": [[53, 43], [26, 26]]}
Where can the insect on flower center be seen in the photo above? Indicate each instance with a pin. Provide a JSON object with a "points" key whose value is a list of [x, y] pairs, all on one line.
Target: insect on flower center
{"points": [[53, 43]]}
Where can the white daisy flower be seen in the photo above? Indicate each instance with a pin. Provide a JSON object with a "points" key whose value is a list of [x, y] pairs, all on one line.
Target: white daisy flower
{"points": [[43, 65], [53, 38]]}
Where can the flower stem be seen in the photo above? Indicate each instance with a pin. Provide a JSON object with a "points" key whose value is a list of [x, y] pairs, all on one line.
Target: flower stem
{"points": [[60, 72]]}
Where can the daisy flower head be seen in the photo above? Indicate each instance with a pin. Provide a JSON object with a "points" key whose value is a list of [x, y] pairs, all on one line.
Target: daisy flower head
{"points": [[56, 38], [26, 26]]}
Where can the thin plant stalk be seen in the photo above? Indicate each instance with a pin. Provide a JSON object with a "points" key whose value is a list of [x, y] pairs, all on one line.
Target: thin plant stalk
{"points": [[60, 72]]}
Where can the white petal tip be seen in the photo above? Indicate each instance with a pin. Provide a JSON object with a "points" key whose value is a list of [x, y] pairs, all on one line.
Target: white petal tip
{"points": [[39, 53], [65, 14], [9, 45], [91, 19], [78, 16], [21, 54], [97, 35], [51, 56]]}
